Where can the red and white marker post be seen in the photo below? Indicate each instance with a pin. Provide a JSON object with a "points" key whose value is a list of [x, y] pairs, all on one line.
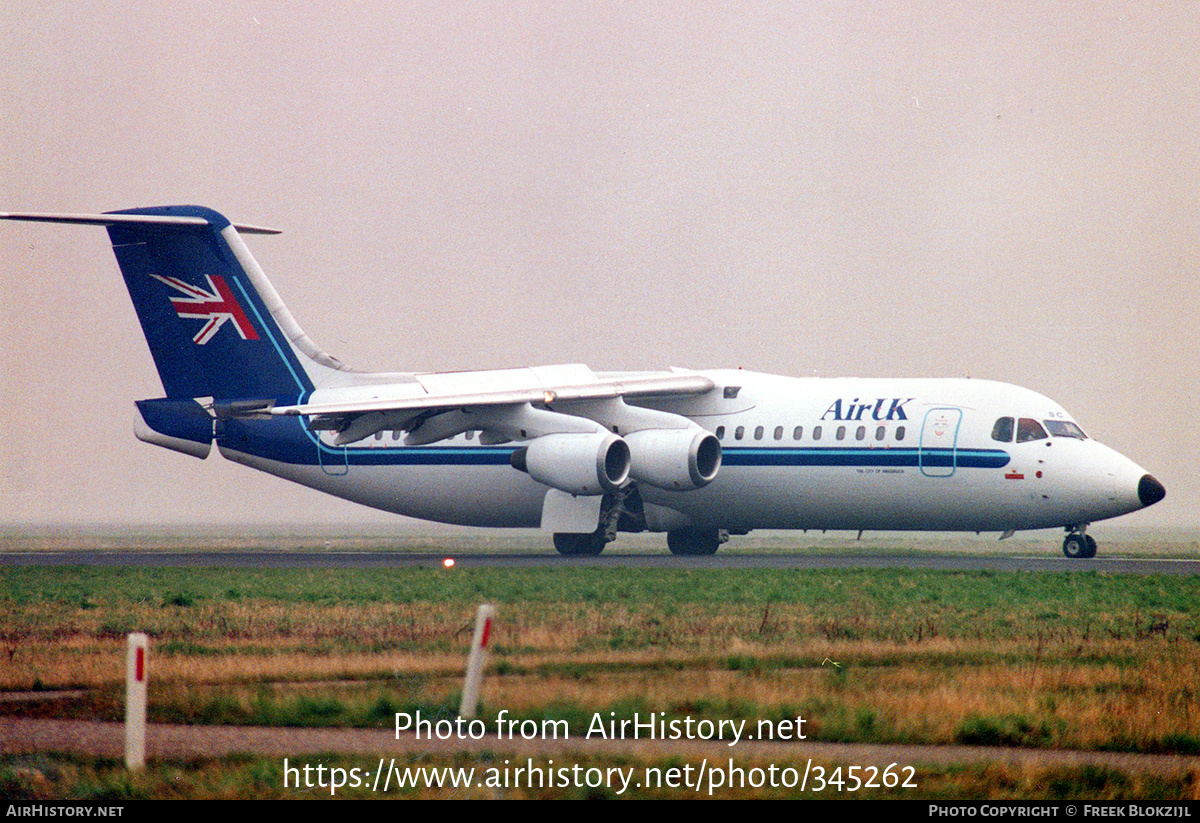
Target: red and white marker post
{"points": [[135, 701], [475, 663]]}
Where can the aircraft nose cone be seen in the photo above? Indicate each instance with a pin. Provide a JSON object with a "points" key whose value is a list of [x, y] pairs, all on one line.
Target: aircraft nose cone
{"points": [[1150, 491]]}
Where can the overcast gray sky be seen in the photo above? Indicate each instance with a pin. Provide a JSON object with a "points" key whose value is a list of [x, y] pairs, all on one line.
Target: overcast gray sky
{"points": [[1009, 191]]}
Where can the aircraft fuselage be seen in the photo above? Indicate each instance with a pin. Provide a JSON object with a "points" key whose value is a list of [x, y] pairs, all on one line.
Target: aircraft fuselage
{"points": [[797, 453]]}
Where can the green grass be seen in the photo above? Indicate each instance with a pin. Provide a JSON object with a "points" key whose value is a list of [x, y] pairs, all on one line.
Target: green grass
{"points": [[182, 607], [1039, 597]]}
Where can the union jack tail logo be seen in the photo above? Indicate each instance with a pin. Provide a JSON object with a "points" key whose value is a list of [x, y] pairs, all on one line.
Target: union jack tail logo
{"points": [[216, 307]]}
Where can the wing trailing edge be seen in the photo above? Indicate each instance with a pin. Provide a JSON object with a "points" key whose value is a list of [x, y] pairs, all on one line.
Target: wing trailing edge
{"points": [[414, 397]]}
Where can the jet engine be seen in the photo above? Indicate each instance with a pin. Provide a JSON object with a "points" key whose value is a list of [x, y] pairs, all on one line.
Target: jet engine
{"points": [[674, 459], [578, 463]]}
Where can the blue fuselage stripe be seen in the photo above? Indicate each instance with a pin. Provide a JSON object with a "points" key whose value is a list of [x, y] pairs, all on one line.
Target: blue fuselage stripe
{"points": [[433, 456], [733, 456], [964, 458]]}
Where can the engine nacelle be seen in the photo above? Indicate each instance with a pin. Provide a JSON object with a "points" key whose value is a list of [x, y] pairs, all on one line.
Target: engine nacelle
{"points": [[674, 459], [583, 463]]}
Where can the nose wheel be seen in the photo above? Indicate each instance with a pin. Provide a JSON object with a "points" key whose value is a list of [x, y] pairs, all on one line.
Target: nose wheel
{"points": [[1079, 545]]}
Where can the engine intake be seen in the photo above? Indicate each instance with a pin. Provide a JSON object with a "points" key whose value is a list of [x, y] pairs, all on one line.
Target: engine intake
{"points": [[674, 459], [585, 463]]}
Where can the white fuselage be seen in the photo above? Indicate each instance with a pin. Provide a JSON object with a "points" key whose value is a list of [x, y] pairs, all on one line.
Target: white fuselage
{"points": [[798, 453]]}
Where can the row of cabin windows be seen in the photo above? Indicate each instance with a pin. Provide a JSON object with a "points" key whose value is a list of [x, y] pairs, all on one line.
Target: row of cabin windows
{"points": [[739, 433], [1026, 430], [859, 433], [396, 434]]}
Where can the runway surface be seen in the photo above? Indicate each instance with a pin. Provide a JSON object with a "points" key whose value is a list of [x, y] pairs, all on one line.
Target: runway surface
{"points": [[268, 559]]}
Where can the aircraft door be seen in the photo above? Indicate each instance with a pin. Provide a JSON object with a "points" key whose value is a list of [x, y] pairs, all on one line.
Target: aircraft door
{"points": [[938, 454], [334, 459]]}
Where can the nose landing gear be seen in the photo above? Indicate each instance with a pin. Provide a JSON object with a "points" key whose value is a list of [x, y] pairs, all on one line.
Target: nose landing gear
{"points": [[1078, 544]]}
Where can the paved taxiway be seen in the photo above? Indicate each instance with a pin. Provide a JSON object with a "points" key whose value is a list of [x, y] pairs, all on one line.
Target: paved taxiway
{"points": [[106, 739], [384, 559]]}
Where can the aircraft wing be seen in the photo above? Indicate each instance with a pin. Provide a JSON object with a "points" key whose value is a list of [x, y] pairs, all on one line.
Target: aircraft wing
{"points": [[487, 400], [435, 391]]}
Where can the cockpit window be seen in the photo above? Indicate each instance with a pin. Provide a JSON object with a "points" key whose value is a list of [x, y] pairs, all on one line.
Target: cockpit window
{"points": [[1003, 430], [1065, 428], [1029, 429]]}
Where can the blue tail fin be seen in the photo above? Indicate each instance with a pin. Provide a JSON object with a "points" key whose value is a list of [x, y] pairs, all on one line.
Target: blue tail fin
{"points": [[210, 317]]}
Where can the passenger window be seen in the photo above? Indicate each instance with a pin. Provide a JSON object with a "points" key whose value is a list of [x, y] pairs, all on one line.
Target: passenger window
{"points": [[1003, 430], [739, 432], [1029, 429], [470, 434], [900, 433], [379, 435], [880, 432], [779, 432], [816, 432], [720, 432], [841, 433], [758, 432], [798, 432], [861, 433]]}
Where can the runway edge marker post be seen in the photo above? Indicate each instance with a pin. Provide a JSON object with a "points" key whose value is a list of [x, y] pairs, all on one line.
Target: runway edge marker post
{"points": [[475, 663], [135, 700]]}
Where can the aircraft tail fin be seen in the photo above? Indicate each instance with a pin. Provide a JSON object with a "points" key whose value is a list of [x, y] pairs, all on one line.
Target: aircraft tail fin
{"points": [[215, 325]]}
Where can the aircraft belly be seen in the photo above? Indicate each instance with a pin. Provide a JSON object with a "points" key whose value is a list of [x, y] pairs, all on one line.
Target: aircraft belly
{"points": [[493, 496], [847, 497], [741, 498]]}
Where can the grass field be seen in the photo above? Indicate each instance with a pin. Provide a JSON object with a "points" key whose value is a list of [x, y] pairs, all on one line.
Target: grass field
{"points": [[1074, 661]]}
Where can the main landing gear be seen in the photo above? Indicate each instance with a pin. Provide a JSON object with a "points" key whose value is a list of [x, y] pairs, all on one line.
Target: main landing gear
{"points": [[689, 542], [623, 510], [616, 508], [696, 542], [1078, 544], [580, 545]]}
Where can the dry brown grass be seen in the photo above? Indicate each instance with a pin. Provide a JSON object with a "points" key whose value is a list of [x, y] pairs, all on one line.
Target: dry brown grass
{"points": [[932, 664], [1121, 693]]}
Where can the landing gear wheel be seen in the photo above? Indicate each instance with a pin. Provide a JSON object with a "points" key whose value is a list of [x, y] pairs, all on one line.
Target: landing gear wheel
{"points": [[1091, 545], [1076, 546], [694, 543], [580, 545]]}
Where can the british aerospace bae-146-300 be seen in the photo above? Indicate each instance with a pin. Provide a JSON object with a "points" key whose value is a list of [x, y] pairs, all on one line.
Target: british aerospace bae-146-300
{"points": [[584, 455]]}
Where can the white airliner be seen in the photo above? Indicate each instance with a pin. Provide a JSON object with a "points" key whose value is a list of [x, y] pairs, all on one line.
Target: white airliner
{"points": [[584, 455]]}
